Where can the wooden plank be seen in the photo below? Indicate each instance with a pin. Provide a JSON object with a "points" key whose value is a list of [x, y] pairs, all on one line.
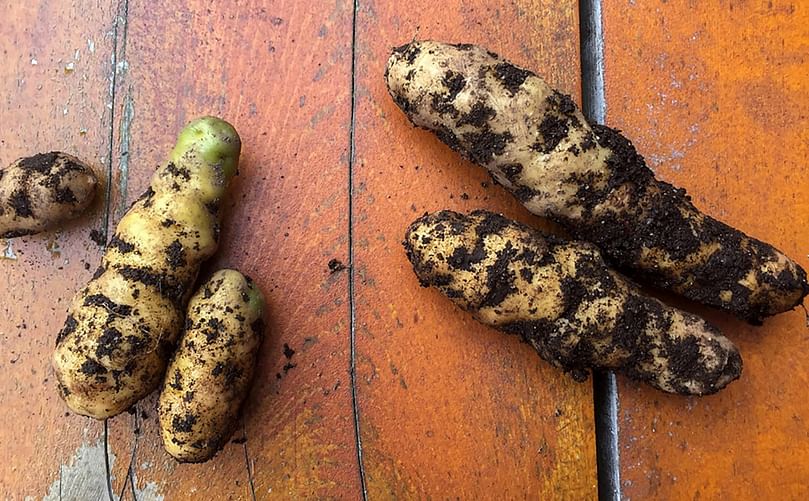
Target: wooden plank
{"points": [[54, 83], [715, 95], [449, 408], [281, 73]]}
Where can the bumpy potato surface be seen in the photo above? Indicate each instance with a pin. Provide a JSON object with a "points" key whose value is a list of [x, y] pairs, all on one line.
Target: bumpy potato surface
{"points": [[121, 328], [589, 178], [41, 192], [210, 374], [561, 298]]}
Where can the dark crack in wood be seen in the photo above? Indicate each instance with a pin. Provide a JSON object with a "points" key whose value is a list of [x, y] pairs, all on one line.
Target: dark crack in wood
{"points": [[352, 364], [248, 463], [130, 474], [107, 469]]}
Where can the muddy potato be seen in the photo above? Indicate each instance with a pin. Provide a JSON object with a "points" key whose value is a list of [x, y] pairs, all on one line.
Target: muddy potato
{"points": [[210, 374], [589, 178], [561, 298], [43, 191], [121, 328]]}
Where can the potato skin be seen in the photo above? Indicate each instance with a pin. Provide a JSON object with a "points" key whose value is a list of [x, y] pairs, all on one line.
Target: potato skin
{"points": [[589, 178], [42, 191], [562, 299], [121, 328], [209, 376]]}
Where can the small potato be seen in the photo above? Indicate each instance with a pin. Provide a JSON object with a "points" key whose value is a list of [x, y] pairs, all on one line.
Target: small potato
{"points": [[40, 192], [210, 374]]}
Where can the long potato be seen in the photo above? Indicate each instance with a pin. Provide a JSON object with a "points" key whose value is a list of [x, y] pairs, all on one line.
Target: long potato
{"points": [[589, 178], [562, 299], [121, 328], [42, 191], [210, 374]]}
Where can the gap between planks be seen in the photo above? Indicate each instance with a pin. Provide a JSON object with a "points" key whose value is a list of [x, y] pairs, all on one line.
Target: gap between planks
{"points": [[605, 388], [352, 369], [120, 27]]}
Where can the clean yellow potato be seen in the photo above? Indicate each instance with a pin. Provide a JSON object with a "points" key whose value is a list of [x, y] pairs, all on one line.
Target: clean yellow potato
{"points": [[561, 298], [589, 178], [122, 327], [210, 374], [41, 192]]}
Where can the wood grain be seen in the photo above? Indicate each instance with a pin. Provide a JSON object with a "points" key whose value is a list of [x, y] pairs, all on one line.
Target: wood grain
{"points": [[54, 83], [280, 72], [715, 95], [449, 408]]}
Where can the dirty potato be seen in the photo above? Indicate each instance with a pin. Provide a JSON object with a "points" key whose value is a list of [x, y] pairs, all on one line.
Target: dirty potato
{"points": [[589, 178], [121, 328], [210, 374], [562, 299], [43, 191]]}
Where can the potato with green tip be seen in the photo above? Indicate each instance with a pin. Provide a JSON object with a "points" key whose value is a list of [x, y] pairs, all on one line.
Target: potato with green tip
{"points": [[209, 376], [122, 327], [589, 178], [561, 298], [41, 192]]}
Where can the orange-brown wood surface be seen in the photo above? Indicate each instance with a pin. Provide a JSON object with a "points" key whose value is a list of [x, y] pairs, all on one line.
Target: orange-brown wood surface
{"points": [[716, 95], [282, 74], [449, 408], [476, 411]]}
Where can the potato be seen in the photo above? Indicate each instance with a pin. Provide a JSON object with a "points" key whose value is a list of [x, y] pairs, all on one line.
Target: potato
{"points": [[560, 297], [43, 191], [589, 178], [121, 328], [209, 377]]}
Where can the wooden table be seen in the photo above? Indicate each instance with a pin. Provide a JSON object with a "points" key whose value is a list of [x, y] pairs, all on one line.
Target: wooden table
{"points": [[393, 390]]}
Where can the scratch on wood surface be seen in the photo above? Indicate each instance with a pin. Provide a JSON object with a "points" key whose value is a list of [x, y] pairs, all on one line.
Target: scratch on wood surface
{"points": [[117, 72], [130, 475], [108, 461], [123, 150], [250, 467]]}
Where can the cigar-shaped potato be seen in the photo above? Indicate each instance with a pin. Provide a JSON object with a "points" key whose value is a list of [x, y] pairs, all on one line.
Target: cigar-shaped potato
{"points": [[589, 178], [121, 328], [40, 192], [210, 374], [562, 299]]}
